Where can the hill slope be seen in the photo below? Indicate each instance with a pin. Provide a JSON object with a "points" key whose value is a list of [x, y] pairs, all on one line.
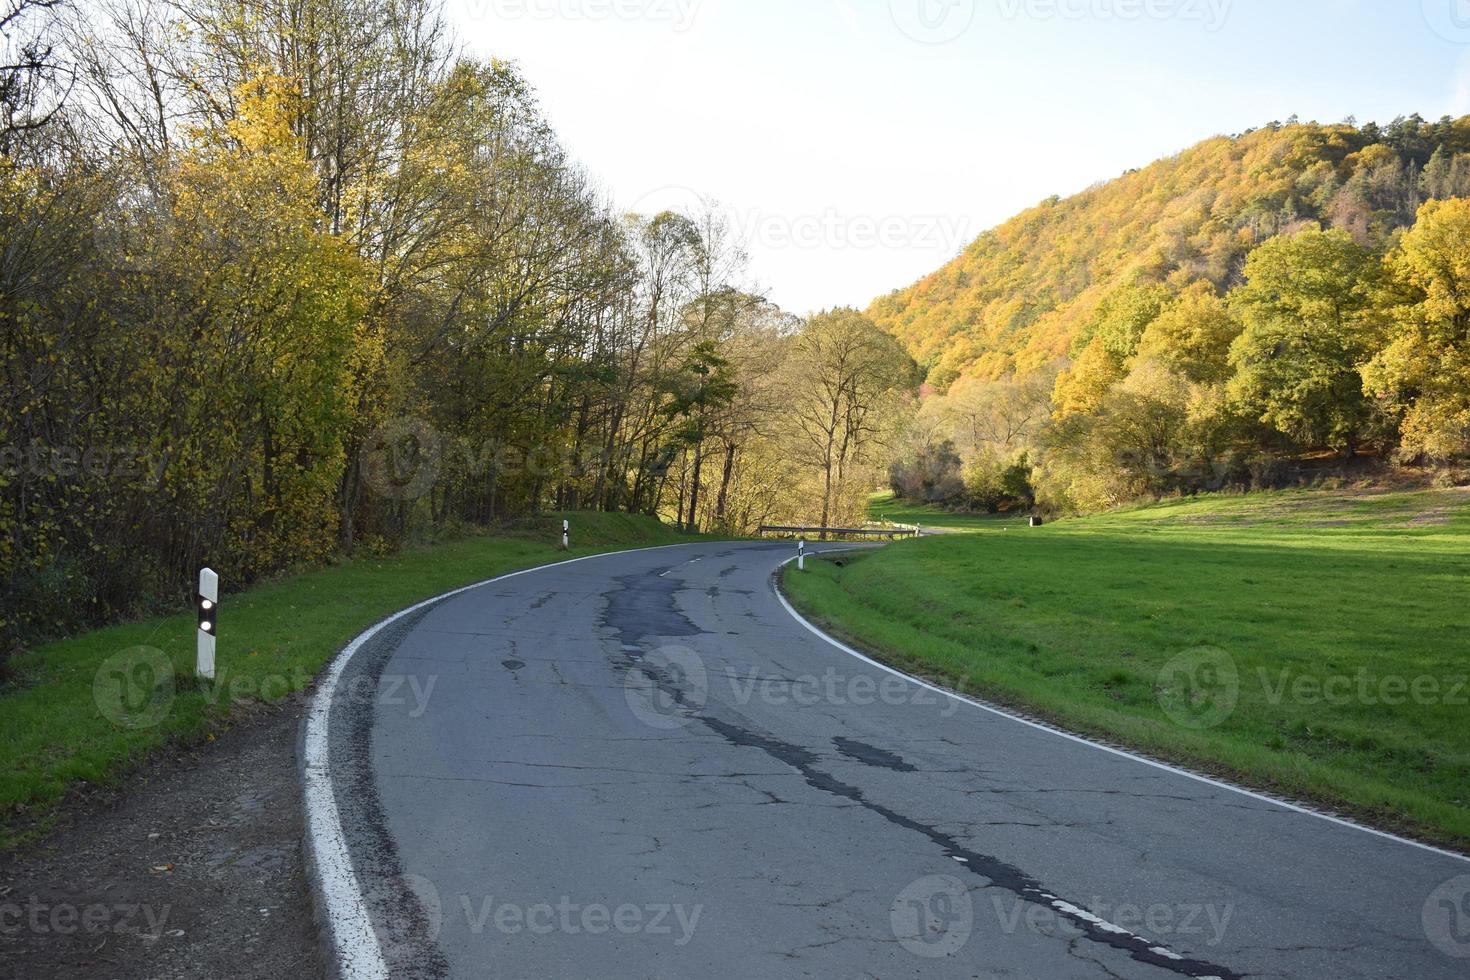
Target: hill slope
{"points": [[1018, 297]]}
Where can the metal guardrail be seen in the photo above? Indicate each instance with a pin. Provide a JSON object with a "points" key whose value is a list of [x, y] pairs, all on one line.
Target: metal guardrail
{"points": [[896, 531]]}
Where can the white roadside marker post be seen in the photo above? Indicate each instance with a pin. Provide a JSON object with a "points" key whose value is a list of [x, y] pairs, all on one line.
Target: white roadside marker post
{"points": [[208, 602], [801, 555], [566, 535]]}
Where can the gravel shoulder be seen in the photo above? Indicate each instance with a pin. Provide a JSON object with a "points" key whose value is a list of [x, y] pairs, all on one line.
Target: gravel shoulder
{"points": [[194, 869]]}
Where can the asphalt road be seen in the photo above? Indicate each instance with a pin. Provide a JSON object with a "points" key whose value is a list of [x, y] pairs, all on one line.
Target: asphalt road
{"points": [[643, 766]]}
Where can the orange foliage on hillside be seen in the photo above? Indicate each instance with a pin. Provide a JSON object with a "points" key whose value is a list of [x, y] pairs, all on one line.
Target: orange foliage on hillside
{"points": [[1019, 297]]}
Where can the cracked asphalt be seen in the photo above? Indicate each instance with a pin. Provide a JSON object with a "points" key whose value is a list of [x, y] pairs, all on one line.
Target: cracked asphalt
{"points": [[642, 766]]}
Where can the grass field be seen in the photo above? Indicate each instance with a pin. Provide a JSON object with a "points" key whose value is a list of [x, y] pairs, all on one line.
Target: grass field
{"points": [[84, 711], [1312, 643], [883, 507]]}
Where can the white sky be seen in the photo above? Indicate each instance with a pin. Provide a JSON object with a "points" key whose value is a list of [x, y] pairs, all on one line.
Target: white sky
{"points": [[859, 144]]}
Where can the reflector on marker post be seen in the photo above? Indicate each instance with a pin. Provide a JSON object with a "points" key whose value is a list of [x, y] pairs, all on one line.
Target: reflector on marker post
{"points": [[208, 603]]}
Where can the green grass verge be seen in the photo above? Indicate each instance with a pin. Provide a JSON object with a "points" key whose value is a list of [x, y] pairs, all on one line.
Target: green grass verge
{"points": [[84, 711], [1341, 616], [885, 507]]}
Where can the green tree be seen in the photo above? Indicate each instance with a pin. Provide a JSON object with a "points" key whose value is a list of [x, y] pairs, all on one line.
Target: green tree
{"points": [[1311, 315], [846, 379], [1106, 344], [1192, 335], [701, 389], [1121, 319], [1423, 375]]}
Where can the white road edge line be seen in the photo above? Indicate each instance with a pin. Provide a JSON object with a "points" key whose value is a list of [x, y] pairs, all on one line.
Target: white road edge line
{"points": [[358, 952], [1208, 781]]}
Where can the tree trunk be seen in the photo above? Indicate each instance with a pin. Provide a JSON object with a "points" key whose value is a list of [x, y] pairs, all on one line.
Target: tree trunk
{"points": [[693, 525], [827, 492], [601, 495], [722, 500], [347, 490]]}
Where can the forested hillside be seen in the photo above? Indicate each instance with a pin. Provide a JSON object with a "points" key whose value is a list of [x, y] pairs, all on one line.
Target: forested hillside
{"points": [[284, 280], [1021, 294], [1297, 289]]}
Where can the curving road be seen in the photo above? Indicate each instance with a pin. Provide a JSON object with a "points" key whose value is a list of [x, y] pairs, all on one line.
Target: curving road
{"points": [[643, 765]]}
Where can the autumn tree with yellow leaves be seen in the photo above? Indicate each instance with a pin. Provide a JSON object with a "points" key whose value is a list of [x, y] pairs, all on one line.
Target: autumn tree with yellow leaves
{"points": [[290, 280]]}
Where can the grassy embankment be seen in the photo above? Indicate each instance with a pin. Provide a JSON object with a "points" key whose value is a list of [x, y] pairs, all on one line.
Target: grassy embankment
{"points": [[84, 711], [1342, 616]]}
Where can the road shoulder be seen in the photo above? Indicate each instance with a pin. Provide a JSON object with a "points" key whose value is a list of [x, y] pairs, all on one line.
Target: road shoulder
{"points": [[195, 868]]}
